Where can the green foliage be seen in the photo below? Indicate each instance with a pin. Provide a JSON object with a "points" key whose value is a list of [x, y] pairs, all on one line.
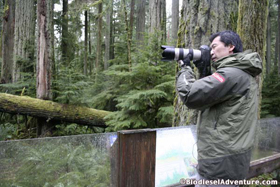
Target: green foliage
{"points": [[265, 177], [25, 86], [56, 163], [271, 96], [6, 131], [140, 97], [71, 129], [144, 97], [69, 86]]}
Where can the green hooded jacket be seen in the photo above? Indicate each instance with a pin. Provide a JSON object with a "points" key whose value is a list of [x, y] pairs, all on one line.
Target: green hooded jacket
{"points": [[228, 100]]}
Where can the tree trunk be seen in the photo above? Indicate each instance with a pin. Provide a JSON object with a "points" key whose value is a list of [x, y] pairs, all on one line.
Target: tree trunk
{"points": [[140, 21], [99, 37], [49, 110], [268, 46], [24, 43], [163, 23], [8, 42], [157, 13], [253, 36], [64, 33], [86, 44], [278, 46], [200, 19], [131, 19], [276, 49], [109, 36], [45, 56], [175, 21], [128, 35], [89, 43], [2, 2]]}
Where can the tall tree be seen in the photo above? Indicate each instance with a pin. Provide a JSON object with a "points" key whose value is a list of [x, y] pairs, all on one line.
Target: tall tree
{"points": [[109, 35], [174, 20], [200, 19], [64, 33], [45, 55], [131, 18], [99, 36], [157, 16], [128, 34], [268, 46], [86, 44], [278, 45], [8, 42], [2, 2], [89, 41], [24, 42], [253, 36], [140, 21]]}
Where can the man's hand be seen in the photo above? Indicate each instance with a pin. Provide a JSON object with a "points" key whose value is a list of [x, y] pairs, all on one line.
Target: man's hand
{"points": [[186, 61], [203, 64]]}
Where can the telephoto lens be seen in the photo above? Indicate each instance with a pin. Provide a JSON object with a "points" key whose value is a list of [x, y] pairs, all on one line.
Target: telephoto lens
{"points": [[171, 53]]}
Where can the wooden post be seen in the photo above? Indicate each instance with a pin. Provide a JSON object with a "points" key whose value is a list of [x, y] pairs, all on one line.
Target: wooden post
{"points": [[137, 154]]}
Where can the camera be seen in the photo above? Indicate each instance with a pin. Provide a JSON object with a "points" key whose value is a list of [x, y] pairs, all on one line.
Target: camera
{"points": [[171, 53], [201, 57]]}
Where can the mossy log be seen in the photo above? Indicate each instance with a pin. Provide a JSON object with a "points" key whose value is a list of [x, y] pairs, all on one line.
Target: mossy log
{"points": [[51, 110]]}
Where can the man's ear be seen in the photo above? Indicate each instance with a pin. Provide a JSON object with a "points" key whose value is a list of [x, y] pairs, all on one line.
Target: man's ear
{"points": [[231, 48]]}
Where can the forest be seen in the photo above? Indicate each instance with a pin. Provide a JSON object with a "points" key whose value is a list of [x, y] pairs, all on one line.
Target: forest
{"points": [[88, 66]]}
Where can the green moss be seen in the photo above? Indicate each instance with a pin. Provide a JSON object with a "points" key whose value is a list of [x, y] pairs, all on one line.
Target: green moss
{"points": [[233, 20], [204, 10], [196, 29], [6, 8], [213, 14]]}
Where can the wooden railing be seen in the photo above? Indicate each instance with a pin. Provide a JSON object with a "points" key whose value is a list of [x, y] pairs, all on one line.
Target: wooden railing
{"points": [[136, 155]]}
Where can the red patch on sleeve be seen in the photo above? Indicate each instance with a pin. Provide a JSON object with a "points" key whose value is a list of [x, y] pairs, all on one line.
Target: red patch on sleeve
{"points": [[218, 77]]}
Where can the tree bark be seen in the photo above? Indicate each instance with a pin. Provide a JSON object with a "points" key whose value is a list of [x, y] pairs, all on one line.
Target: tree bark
{"points": [[157, 13], [86, 44], [131, 18], [24, 42], [7, 69], [99, 37], [44, 45], [49, 110], [268, 46], [45, 57], [140, 21], [253, 36], [175, 21], [2, 3], [128, 35], [278, 47], [200, 19], [89, 42], [109, 36], [275, 63], [64, 33]]}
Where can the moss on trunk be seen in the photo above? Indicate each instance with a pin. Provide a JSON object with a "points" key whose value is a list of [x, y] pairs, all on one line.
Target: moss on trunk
{"points": [[51, 110]]}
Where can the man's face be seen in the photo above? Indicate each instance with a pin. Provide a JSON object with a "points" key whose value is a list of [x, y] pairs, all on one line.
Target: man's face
{"points": [[219, 50]]}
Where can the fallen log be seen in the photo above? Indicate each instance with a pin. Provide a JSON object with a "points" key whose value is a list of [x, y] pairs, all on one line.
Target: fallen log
{"points": [[51, 110]]}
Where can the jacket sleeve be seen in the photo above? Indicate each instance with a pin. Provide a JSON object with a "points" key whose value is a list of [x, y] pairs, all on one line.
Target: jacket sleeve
{"points": [[208, 91]]}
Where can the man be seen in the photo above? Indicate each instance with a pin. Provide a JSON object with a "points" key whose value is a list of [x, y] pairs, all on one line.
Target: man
{"points": [[228, 101]]}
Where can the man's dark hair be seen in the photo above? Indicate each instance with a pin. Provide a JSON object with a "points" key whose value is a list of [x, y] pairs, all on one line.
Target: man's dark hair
{"points": [[229, 38]]}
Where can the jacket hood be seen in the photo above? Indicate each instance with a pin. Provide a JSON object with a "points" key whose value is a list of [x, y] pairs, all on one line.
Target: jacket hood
{"points": [[247, 61]]}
